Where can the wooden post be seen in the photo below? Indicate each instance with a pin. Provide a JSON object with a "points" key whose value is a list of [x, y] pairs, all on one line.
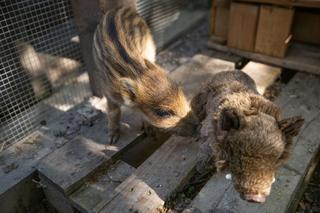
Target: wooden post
{"points": [[87, 14]]}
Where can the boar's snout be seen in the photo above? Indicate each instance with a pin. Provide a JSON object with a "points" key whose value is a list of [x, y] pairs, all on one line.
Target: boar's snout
{"points": [[255, 198], [188, 126]]}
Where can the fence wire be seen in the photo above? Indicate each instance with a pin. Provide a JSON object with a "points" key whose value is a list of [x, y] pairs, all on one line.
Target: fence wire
{"points": [[41, 70]]}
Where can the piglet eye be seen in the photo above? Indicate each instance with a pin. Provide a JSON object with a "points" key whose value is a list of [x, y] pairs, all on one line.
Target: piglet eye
{"points": [[163, 113]]}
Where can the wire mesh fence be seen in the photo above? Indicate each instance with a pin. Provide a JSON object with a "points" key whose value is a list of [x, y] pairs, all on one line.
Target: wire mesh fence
{"points": [[38, 51], [42, 72]]}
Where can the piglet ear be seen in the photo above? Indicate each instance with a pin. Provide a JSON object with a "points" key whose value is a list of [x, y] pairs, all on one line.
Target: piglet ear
{"points": [[230, 119], [290, 127]]}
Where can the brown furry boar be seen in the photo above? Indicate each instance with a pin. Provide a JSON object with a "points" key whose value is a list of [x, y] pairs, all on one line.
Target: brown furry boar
{"points": [[124, 53], [242, 133]]}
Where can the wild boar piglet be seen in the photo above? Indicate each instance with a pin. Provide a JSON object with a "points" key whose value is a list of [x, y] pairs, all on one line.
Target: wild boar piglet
{"points": [[242, 133], [124, 54]]}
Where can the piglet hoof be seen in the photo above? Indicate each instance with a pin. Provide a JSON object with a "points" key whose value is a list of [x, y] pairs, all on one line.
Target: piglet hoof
{"points": [[114, 136]]}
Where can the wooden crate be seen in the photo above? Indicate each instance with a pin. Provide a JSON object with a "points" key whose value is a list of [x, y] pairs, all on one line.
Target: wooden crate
{"points": [[290, 3], [219, 20], [243, 21], [306, 27], [273, 34]]}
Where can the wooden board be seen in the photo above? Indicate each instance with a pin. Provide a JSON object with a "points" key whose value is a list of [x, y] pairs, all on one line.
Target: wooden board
{"points": [[296, 57], [152, 183], [298, 98], [243, 26], [262, 74], [219, 19], [306, 26], [191, 75], [100, 186], [274, 30], [290, 3], [18, 171], [68, 166], [20, 160]]}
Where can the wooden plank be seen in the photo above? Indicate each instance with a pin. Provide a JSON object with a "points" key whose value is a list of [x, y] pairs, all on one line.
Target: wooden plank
{"points": [[20, 160], [298, 98], [68, 166], [56, 198], [219, 20], [210, 195], [289, 3], [192, 74], [100, 186], [306, 26], [262, 74], [243, 26], [18, 163], [274, 30], [147, 188], [296, 57]]}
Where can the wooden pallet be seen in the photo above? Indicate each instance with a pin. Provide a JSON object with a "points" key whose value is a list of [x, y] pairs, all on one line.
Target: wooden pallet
{"points": [[300, 57], [108, 184], [82, 176]]}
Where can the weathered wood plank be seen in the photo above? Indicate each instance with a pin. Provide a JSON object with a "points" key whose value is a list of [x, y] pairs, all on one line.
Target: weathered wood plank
{"points": [[67, 166], [299, 97], [296, 57], [196, 72], [290, 3], [243, 26], [262, 74], [101, 185], [211, 194], [147, 188], [219, 20], [273, 31], [88, 122], [20, 160]]}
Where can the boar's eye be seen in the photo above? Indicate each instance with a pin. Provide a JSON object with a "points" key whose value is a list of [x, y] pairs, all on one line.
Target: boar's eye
{"points": [[163, 113]]}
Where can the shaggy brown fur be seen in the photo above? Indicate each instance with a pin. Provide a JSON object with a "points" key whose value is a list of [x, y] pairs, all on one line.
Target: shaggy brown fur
{"points": [[124, 53], [242, 132]]}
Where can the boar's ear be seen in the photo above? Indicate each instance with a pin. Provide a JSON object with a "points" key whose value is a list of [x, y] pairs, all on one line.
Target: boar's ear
{"points": [[230, 119], [290, 127], [263, 105], [128, 89]]}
